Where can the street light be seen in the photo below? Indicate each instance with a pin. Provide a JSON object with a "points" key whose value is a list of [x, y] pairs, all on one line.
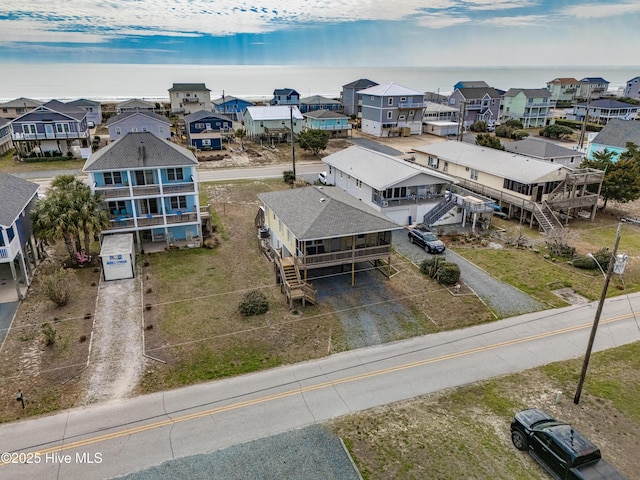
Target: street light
{"points": [[590, 255], [596, 320]]}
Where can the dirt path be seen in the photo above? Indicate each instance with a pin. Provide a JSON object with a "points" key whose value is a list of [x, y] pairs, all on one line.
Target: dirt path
{"points": [[116, 361]]}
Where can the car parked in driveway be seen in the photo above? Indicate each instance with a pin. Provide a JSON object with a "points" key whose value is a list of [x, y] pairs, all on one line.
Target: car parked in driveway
{"points": [[422, 236], [562, 451]]}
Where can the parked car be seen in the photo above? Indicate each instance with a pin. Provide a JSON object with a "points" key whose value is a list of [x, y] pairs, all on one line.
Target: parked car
{"points": [[322, 178], [90, 124], [562, 451], [420, 235]]}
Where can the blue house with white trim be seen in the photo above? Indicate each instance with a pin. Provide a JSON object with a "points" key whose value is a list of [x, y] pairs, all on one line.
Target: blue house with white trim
{"points": [[335, 123], [150, 188], [205, 129], [231, 107]]}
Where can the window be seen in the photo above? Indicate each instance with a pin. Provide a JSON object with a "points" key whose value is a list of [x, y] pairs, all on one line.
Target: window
{"points": [[433, 162], [474, 175], [403, 99], [144, 129], [401, 117], [178, 203], [112, 178], [29, 128], [175, 174], [117, 207], [144, 177], [358, 183], [118, 131], [160, 129], [62, 127], [389, 115], [390, 101], [199, 126], [411, 113]]}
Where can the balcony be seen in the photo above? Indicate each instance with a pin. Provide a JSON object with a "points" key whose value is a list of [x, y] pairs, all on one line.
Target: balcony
{"points": [[145, 190], [191, 100], [17, 136], [345, 256], [151, 220], [7, 254], [411, 105], [331, 127]]}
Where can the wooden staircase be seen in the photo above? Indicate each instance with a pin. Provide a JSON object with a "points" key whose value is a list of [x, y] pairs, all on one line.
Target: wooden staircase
{"points": [[547, 220], [292, 283]]}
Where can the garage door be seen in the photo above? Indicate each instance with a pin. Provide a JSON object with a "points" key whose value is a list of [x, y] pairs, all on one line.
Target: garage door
{"points": [[401, 216]]}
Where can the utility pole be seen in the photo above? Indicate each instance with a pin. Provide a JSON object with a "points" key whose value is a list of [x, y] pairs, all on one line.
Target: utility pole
{"points": [[463, 112], [583, 130], [596, 320], [293, 150]]}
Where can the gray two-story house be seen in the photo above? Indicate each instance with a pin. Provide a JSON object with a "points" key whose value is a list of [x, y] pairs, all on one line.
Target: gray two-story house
{"points": [[142, 121], [476, 104], [351, 99], [390, 109]]}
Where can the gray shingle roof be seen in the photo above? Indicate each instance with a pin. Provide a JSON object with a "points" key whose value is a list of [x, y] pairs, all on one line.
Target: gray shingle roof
{"points": [[136, 103], [318, 100], [15, 195], [537, 148], [66, 109], [378, 170], [313, 213], [609, 104], [616, 133], [139, 150], [361, 84], [472, 93], [188, 87], [21, 102], [124, 115], [83, 102], [528, 92], [200, 114]]}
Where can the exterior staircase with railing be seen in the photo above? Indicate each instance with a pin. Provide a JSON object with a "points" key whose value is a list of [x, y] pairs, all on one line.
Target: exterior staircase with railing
{"points": [[293, 285], [547, 220], [439, 211]]}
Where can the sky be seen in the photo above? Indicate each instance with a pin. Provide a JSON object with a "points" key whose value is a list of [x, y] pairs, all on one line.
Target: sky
{"points": [[322, 32]]}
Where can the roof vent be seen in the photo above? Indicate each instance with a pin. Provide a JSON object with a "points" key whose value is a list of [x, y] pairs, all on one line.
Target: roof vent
{"points": [[323, 200]]}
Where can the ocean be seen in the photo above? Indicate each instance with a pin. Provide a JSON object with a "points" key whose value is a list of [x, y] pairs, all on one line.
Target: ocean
{"points": [[116, 82]]}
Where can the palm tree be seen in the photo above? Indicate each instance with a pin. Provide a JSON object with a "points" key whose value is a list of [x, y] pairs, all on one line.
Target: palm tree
{"points": [[70, 212]]}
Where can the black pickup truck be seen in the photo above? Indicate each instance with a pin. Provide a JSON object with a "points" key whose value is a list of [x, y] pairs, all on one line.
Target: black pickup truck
{"points": [[563, 452]]}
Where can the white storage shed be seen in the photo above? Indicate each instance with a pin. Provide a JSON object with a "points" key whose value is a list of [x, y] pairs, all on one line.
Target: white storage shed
{"points": [[117, 255]]}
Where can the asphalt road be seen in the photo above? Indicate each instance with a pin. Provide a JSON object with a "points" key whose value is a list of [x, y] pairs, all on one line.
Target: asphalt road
{"points": [[115, 438]]}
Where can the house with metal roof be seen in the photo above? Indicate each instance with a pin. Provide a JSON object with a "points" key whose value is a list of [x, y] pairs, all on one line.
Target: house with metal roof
{"points": [[350, 98], [150, 188], [546, 151], [440, 119], [603, 111], [564, 89], [543, 194], [614, 137], [391, 110], [19, 106], [315, 227], [206, 130], [187, 98], [17, 246], [138, 121], [93, 109], [532, 106], [273, 123], [135, 105], [399, 189], [476, 104], [52, 129], [5, 136], [334, 123], [318, 102]]}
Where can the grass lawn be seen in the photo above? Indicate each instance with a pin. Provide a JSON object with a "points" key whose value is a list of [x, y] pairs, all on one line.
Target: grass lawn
{"points": [[9, 165], [464, 433]]}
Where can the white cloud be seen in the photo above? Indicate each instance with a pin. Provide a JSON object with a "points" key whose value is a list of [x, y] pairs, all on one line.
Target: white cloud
{"points": [[516, 21], [497, 4], [441, 21], [601, 10]]}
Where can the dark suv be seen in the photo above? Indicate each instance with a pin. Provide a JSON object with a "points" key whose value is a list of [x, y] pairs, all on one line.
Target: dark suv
{"points": [[558, 448], [421, 235]]}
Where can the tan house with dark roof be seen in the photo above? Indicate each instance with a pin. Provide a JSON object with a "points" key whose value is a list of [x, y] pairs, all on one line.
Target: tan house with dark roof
{"points": [[188, 98]]}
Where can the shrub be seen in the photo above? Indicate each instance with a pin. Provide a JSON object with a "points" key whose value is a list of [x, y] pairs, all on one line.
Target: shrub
{"points": [[445, 272], [603, 256], [288, 177], [519, 134], [478, 126], [514, 123], [503, 131], [59, 286], [49, 334], [254, 303]]}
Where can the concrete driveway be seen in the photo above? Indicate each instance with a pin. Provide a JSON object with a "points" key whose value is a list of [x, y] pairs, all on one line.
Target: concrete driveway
{"points": [[504, 300]]}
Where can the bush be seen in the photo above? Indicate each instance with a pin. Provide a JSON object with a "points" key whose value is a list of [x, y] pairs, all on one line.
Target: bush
{"points": [[514, 123], [254, 303], [603, 256], [503, 131], [59, 286], [288, 177], [445, 272], [519, 134], [478, 126], [49, 334]]}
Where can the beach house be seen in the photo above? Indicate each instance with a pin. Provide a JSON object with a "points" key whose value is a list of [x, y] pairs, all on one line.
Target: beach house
{"points": [[390, 110]]}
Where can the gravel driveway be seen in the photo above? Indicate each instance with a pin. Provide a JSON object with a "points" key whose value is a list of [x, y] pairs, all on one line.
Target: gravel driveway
{"points": [[503, 299]]}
